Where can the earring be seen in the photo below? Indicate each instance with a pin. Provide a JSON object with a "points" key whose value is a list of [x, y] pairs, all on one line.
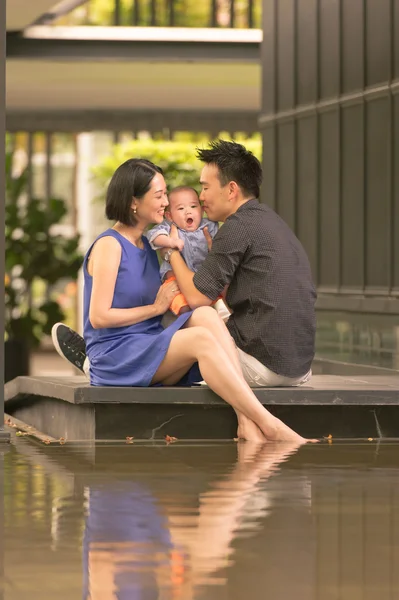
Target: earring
{"points": [[134, 210]]}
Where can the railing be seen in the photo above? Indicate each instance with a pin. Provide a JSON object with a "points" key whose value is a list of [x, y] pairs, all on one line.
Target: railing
{"points": [[169, 13]]}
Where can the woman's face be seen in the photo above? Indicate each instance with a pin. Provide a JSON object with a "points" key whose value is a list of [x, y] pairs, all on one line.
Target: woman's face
{"points": [[151, 207]]}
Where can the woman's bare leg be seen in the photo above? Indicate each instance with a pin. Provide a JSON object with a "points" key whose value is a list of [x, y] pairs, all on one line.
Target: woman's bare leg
{"points": [[198, 344], [207, 317]]}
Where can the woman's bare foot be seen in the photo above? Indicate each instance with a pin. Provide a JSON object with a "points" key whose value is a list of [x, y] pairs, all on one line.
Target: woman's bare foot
{"points": [[250, 432], [279, 432]]}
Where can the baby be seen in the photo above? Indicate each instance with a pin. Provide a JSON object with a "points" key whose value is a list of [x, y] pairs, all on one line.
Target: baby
{"points": [[186, 213]]}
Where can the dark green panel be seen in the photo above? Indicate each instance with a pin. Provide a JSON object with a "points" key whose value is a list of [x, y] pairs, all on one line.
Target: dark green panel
{"points": [[352, 45], [395, 196], [352, 152], [395, 31], [329, 199], [286, 54], [286, 189], [268, 57], [307, 218], [378, 41], [268, 189], [378, 196], [338, 186], [306, 52], [329, 36]]}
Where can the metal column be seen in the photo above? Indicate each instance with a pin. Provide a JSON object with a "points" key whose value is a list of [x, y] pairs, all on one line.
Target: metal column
{"points": [[4, 437]]}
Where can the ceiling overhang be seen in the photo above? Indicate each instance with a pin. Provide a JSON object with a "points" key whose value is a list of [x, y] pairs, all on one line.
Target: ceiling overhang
{"points": [[85, 78], [136, 44], [20, 14]]}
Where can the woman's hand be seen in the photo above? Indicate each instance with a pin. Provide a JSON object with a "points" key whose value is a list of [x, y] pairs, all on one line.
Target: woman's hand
{"points": [[166, 293]]}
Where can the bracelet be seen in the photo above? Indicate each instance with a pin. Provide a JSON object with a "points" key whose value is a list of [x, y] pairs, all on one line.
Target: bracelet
{"points": [[169, 253]]}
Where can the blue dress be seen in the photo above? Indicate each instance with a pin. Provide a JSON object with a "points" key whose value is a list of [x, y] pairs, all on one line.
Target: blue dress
{"points": [[126, 522], [130, 355]]}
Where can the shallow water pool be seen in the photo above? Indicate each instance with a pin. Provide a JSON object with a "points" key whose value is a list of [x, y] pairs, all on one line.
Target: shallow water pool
{"points": [[186, 521]]}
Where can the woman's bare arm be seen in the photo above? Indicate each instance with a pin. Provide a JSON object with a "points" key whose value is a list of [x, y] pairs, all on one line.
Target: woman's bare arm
{"points": [[103, 266]]}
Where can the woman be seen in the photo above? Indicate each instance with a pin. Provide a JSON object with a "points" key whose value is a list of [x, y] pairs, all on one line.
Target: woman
{"points": [[124, 303]]}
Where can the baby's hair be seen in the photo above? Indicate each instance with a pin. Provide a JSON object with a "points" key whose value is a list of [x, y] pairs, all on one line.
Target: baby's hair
{"points": [[182, 188]]}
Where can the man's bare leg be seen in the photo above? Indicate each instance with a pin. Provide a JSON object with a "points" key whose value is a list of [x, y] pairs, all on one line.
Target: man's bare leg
{"points": [[218, 328]]}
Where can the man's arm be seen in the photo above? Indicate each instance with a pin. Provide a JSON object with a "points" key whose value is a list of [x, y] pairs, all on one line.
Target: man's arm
{"points": [[224, 258], [217, 271]]}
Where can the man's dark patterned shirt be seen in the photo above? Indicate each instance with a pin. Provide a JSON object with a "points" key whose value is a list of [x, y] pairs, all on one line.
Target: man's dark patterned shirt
{"points": [[271, 292]]}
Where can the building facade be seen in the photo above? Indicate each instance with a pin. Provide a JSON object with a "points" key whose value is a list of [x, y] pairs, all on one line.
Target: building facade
{"points": [[330, 126]]}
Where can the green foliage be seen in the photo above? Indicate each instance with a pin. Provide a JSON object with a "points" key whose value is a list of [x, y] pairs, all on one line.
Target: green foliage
{"points": [[177, 159], [34, 254], [187, 13]]}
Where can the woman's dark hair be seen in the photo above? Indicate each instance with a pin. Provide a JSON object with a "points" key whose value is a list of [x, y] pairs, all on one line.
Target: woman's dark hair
{"points": [[234, 163], [131, 179]]}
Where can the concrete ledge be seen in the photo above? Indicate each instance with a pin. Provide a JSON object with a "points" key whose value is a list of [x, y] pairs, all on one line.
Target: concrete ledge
{"points": [[322, 390], [69, 408]]}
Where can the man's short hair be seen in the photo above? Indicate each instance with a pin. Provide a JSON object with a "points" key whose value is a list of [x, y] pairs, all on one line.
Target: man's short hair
{"points": [[132, 179], [234, 163]]}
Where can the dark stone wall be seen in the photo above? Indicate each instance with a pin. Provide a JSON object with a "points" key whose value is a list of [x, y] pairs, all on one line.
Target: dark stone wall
{"points": [[330, 126]]}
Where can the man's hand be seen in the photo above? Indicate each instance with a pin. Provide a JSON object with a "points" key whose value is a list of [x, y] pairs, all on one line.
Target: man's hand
{"points": [[208, 238]]}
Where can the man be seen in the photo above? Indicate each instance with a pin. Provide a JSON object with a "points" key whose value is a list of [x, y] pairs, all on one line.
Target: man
{"points": [[261, 263], [270, 288]]}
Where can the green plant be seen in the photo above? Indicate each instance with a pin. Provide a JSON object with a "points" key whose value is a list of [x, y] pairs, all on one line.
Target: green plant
{"points": [[187, 13], [177, 159], [35, 255]]}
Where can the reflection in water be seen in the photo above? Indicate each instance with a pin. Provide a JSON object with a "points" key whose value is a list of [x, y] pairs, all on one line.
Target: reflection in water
{"points": [[3, 449], [193, 522], [363, 339], [126, 544], [133, 549]]}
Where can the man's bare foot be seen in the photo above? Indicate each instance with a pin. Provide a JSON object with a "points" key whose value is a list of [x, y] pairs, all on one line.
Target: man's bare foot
{"points": [[248, 451], [263, 460], [250, 432]]}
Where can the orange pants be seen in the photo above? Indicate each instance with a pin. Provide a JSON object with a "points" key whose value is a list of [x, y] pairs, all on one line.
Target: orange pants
{"points": [[179, 302]]}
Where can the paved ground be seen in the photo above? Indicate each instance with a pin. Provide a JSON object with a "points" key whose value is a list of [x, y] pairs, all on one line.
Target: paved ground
{"points": [[49, 364]]}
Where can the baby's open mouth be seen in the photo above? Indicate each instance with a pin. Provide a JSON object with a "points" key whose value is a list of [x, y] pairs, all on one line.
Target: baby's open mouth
{"points": [[190, 221]]}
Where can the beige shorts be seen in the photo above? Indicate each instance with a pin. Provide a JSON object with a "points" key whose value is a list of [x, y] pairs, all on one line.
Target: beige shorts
{"points": [[257, 375]]}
